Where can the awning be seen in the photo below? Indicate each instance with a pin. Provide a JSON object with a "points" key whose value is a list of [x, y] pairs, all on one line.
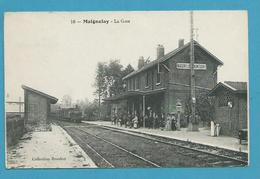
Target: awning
{"points": [[134, 93]]}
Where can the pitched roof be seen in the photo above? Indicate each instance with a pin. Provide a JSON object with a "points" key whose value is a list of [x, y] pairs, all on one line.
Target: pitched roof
{"points": [[240, 86], [169, 55], [53, 100], [235, 87]]}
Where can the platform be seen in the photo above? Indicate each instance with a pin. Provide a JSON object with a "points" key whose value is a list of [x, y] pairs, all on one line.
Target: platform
{"points": [[201, 137], [50, 149]]}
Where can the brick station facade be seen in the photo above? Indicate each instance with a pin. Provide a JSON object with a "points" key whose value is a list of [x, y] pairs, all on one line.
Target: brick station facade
{"points": [[164, 82]]}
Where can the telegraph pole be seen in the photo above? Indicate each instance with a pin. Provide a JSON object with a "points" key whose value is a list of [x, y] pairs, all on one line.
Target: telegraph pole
{"points": [[193, 126]]}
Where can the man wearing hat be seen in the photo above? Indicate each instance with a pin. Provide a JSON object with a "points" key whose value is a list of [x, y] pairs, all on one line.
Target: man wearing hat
{"points": [[168, 123], [173, 119]]}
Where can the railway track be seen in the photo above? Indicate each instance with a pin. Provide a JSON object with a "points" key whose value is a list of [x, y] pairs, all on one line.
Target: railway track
{"points": [[186, 146], [115, 148], [99, 159], [127, 158]]}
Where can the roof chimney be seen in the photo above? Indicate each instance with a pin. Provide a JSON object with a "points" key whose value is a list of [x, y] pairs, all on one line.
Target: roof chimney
{"points": [[140, 62], [160, 51], [181, 43]]}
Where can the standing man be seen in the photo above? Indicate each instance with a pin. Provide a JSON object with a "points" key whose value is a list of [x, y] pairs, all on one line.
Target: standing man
{"points": [[154, 120], [140, 120], [161, 121], [146, 120], [157, 123], [173, 119], [178, 124], [168, 123], [124, 118], [150, 116], [112, 118], [128, 123]]}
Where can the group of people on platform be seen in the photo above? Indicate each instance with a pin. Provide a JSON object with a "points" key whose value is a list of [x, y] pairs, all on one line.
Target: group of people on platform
{"points": [[129, 120], [151, 120]]}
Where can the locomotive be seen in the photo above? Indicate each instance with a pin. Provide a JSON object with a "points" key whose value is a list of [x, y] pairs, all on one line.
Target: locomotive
{"points": [[70, 114]]}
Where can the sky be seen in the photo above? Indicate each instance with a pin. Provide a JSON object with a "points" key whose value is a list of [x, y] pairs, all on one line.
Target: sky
{"points": [[48, 52]]}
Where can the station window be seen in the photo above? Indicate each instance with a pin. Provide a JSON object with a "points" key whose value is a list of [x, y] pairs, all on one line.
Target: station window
{"points": [[128, 85], [147, 79], [137, 80], [158, 77], [133, 79]]}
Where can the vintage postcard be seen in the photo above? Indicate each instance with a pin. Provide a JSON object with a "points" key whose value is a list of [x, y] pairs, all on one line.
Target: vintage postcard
{"points": [[130, 89]]}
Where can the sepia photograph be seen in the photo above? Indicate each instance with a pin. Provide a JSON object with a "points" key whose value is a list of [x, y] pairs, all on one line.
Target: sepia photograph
{"points": [[126, 89]]}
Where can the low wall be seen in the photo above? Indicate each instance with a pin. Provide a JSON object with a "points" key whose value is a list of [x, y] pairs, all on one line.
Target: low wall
{"points": [[14, 129]]}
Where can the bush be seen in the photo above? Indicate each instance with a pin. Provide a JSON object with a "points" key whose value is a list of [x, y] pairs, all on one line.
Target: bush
{"points": [[14, 129]]}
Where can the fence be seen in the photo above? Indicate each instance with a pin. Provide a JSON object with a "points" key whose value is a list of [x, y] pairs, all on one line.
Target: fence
{"points": [[14, 129]]}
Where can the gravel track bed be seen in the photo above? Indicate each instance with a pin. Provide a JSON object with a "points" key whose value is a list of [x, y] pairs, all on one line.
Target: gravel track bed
{"points": [[148, 147]]}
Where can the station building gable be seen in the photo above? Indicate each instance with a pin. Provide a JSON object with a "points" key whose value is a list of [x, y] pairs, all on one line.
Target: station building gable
{"points": [[173, 67]]}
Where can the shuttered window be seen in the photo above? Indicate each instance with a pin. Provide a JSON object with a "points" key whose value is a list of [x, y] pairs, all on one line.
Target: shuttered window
{"points": [[137, 80], [158, 77], [147, 79], [133, 81]]}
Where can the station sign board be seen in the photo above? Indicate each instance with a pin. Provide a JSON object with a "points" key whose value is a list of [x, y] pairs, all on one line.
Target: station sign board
{"points": [[186, 66]]}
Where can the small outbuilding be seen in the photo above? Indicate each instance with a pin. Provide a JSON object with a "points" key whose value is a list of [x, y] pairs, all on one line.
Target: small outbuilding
{"points": [[37, 109], [230, 107]]}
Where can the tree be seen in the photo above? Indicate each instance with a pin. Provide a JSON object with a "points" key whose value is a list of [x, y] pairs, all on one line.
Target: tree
{"points": [[109, 78], [100, 82], [128, 69], [204, 107], [91, 111], [108, 81], [113, 77], [118, 85], [83, 104]]}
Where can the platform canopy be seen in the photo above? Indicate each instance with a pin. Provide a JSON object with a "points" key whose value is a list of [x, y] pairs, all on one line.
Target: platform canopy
{"points": [[134, 93]]}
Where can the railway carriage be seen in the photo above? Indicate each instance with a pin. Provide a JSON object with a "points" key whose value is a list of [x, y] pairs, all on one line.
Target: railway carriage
{"points": [[70, 114]]}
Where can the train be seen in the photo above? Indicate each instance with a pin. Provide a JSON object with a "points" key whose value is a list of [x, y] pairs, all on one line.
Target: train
{"points": [[73, 114]]}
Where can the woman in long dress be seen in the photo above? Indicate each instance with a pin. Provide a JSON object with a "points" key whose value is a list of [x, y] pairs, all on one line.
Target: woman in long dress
{"points": [[135, 121], [168, 126], [173, 119]]}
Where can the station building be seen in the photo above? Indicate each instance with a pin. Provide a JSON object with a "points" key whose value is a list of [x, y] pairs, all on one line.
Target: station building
{"points": [[164, 83], [230, 106], [37, 109]]}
